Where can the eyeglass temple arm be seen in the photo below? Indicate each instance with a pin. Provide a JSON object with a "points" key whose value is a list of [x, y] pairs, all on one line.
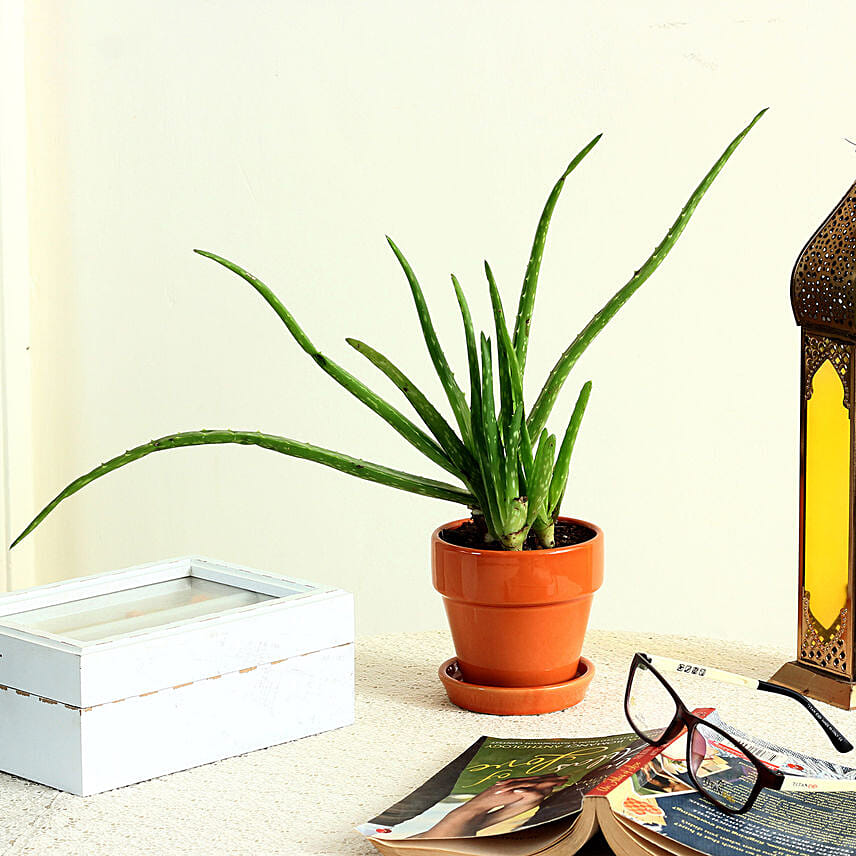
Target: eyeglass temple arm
{"points": [[838, 740], [666, 664], [806, 784]]}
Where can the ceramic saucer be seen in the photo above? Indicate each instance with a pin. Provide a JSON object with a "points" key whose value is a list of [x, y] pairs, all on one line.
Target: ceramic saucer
{"points": [[515, 701]]}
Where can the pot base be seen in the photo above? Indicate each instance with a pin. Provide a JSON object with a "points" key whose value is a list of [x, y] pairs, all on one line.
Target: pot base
{"points": [[515, 701]]}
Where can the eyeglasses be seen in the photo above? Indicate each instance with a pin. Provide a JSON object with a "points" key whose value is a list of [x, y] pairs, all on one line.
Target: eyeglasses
{"points": [[722, 769]]}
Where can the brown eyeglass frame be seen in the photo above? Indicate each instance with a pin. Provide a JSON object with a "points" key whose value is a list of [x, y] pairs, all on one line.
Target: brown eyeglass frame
{"points": [[685, 719]]}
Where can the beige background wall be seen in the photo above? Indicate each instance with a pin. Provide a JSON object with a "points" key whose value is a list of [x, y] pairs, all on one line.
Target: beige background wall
{"points": [[291, 136]]}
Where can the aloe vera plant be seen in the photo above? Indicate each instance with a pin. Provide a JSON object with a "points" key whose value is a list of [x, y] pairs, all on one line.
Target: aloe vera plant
{"points": [[512, 471]]}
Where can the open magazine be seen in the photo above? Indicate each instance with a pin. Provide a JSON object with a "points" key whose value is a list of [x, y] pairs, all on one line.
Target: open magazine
{"points": [[522, 797]]}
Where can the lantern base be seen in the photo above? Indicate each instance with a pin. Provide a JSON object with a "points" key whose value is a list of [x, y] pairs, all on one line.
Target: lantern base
{"points": [[839, 692]]}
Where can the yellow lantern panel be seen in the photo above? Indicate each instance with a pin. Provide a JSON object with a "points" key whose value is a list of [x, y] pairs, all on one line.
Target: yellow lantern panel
{"points": [[827, 497]]}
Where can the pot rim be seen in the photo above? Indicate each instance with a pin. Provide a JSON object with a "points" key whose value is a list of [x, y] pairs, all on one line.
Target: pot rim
{"points": [[471, 551]]}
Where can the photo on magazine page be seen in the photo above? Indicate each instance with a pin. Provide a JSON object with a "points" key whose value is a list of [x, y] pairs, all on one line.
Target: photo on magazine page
{"points": [[660, 800], [501, 785]]}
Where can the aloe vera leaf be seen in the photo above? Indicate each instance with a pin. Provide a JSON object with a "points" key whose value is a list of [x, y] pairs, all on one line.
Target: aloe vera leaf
{"points": [[478, 441], [488, 412], [506, 349], [504, 345], [506, 396], [439, 427], [517, 519], [479, 448], [526, 304], [472, 362], [524, 446], [495, 465], [541, 472], [492, 510], [469, 334], [338, 461], [545, 532], [512, 453], [513, 541], [563, 459], [493, 517], [497, 524], [441, 364], [559, 373], [407, 429], [527, 455]]}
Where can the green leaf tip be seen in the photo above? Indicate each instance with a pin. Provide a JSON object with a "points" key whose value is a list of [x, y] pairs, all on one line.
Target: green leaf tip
{"points": [[559, 373], [526, 304], [578, 157]]}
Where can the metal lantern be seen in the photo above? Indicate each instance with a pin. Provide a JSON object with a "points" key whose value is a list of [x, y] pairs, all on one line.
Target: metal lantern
{"points": [[823, 295]]}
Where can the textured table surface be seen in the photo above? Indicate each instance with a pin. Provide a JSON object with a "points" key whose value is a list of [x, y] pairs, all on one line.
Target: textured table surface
{"points": [[303, 798]]}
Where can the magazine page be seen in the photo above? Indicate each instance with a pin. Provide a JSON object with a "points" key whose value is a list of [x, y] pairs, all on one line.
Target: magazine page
{"points": [[787, 760], [502, 785], [660, 798]]}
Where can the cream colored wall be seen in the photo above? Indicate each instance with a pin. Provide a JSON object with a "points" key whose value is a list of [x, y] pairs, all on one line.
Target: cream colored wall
{"points": [[16, 410], [291, 137]]}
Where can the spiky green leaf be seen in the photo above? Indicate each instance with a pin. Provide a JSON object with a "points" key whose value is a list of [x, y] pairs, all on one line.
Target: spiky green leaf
{"points": [[437, 425], [542, 470], [526, 304], [563, 459], [494, 457], [506, 394], [512, 453], [559, 373], [505, 348], [492, 515], [391, 415], [338, 461], [453, 392]]}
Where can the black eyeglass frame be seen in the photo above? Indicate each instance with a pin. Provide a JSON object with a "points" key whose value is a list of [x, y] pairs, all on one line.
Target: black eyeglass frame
{"points": [[686, 719]]}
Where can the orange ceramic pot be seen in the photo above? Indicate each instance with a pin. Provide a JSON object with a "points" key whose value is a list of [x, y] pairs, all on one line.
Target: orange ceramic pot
{"points": [[518, 618]]}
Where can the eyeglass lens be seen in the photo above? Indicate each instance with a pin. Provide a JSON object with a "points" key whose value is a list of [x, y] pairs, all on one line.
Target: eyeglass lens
{"points": [[720, 768], [650, 706]]}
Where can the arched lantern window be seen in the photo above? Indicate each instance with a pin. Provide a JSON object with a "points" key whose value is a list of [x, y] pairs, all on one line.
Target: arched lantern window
{"points": [[823, 295]]}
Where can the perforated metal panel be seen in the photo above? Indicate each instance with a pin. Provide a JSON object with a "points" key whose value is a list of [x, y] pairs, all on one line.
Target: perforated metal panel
{"points": [[823, 283]]}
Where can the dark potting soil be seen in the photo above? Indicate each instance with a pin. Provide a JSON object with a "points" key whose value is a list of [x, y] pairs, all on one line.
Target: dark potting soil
{"points": [[470, 535]]}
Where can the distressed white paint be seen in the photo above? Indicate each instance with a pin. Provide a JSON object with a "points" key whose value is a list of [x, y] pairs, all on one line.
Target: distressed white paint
{"points": [[89, 716], [40, 741]]}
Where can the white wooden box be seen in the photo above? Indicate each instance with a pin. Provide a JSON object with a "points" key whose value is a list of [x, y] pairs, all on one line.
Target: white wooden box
{"points": [[119, 677]]}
